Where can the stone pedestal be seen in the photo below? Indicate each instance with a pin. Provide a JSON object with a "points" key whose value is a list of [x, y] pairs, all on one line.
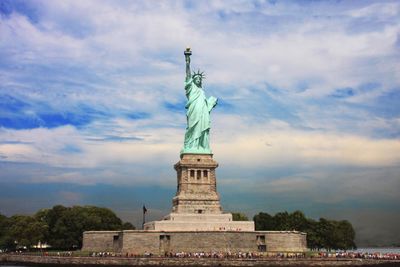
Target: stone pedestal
{"points": [[197, 185], [196, 222], [196, 206]]}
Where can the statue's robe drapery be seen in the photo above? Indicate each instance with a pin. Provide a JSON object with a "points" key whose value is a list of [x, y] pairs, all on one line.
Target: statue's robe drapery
{"points": [[198, 119]]}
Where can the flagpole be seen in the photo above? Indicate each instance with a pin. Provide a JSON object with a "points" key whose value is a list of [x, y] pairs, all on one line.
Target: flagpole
{"points": [[144, 216]]}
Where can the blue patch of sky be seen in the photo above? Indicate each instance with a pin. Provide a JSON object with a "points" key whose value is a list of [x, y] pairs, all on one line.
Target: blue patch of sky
{"points": [[11, 104], [261, 173], [276, 109], [152, 196], [63, 76], [14, 115], [367, 87], [256, 202], [224, 106], [278, 91], [267, 102], [52, 120], [222, 14], [114, 197], [67, 23], [95, 112], [273, 202], [138, 115], [49, 120], [387, 105], [71, 149], [397, 43], [255, 22], [69, 76], [25, 8], [19, 123], [13, 142], [349, 91], [366, 24], [23, 190], [119, 199], [189, 4], [77, 27], [302, 86], [175, 107], [114, 138], [343, 92]]}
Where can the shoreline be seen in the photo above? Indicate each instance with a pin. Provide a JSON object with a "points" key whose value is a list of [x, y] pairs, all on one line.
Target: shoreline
{"points": [[155, 261]]}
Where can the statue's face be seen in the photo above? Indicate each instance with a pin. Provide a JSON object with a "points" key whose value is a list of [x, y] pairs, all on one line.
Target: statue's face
{"points": [[197, 81]]}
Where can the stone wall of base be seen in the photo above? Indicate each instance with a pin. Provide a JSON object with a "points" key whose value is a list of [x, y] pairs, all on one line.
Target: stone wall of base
{"points": [[278, 241], [160, 242], [169, 225], [102, 241]]}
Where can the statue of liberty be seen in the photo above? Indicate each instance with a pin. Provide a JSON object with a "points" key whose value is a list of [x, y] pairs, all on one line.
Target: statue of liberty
{"points": [[198, 112]]}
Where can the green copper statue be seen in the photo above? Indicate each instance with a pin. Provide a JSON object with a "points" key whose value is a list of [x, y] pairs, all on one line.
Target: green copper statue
{"points": [[198, 112]]}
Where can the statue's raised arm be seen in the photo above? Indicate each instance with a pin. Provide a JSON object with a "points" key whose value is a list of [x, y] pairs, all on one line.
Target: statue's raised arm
{"points": [[188, 53], [198, 109]]}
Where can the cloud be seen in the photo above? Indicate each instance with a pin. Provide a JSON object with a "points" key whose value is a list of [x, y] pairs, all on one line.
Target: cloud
{"points": [[377, 10], [277, 144], [138, 150]]}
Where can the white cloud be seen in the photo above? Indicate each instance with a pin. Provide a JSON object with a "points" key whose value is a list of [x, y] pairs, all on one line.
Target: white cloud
{"points": [[377, 10], [277, 144], [234, 142], [124, 37]]}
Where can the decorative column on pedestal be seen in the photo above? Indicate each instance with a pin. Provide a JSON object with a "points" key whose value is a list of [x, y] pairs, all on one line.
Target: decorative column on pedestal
{"points": [[197, 185]]}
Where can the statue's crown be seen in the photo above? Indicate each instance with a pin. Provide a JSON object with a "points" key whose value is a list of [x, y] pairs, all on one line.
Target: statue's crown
{"points": [[198, 73]]}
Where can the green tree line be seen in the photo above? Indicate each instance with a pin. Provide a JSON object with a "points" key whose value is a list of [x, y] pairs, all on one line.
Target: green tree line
{"points": [[61, 227], [327, 234]]}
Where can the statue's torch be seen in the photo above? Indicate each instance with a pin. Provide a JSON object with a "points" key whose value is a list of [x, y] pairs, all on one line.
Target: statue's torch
{"points": [[187, 53]]}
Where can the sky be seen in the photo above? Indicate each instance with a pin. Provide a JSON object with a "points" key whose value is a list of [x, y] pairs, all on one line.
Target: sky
{"points": [[92, 106]]}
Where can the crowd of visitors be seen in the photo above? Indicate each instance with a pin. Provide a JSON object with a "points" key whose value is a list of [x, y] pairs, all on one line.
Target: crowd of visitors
{"points": [[359, 255], [252, 255], [227, 255]]}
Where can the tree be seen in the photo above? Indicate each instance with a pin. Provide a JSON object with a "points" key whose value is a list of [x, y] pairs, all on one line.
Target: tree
{"points": [[3, 222], [237, 216], [67, 224], [50, 217], [61, 227], [325, 230], [68, 229], [297, 221], [281, 221], [344, 235], [128, 226], [24, 230], [3, 230], [328, 234], [263, 221]]}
